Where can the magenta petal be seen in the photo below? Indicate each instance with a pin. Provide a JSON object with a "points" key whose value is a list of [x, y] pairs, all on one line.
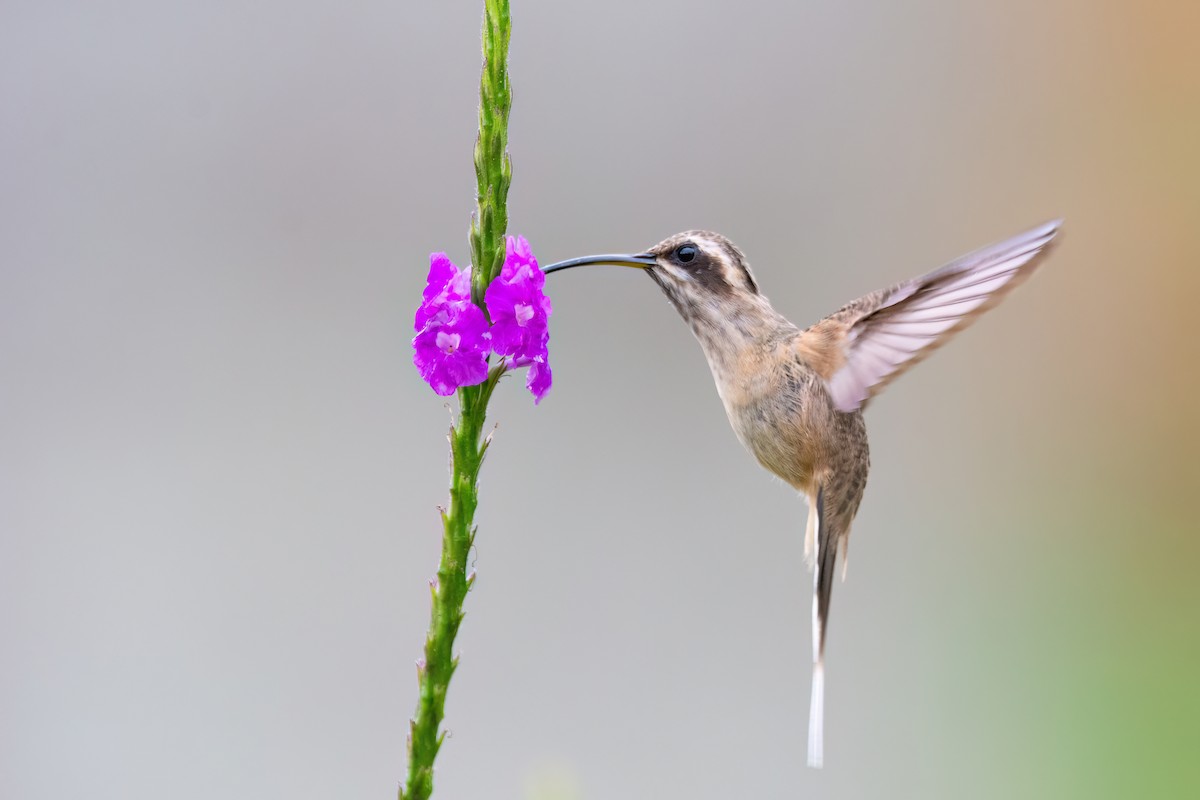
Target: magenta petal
{"points": [[446, 284], [517, 253], [518, 305], [538, 381], [441, 272], [451, 373], [519, 325], [451, 349]]}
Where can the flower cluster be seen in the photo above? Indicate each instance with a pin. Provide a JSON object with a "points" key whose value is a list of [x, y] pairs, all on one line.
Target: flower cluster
{"points": [[454, 339]]}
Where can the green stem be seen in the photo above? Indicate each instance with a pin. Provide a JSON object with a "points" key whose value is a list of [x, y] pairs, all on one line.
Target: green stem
{"points": [[493, 169], [493, 172]]}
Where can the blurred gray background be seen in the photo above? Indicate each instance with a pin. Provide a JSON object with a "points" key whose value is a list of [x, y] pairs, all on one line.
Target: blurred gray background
{"points": [[219, 472]]}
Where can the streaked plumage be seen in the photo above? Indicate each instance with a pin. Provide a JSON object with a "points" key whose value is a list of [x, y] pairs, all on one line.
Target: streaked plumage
{"points": [[795, 397]]}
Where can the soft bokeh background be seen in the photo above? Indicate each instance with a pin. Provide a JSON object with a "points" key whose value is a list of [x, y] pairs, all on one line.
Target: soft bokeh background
{"points": [[219, 472]]}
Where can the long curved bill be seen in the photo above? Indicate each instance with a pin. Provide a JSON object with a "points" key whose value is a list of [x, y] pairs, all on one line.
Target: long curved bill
{"points": [[642, 261]]}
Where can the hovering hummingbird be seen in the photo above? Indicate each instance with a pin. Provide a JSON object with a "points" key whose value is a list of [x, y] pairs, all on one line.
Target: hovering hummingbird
{"points": [[795, 396]]}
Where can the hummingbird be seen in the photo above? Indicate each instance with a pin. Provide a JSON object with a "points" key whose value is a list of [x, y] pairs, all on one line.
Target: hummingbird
{"points": [[795, 396]]}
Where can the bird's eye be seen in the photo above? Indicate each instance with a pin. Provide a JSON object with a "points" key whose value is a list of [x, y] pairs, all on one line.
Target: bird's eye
{"points": [[686, 253]]}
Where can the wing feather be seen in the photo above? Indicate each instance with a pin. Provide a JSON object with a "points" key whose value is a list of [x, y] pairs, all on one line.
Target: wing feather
{"points": [[884, 333]]}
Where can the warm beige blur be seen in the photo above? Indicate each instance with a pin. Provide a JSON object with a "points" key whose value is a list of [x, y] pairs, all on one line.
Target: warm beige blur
{"points": [[219, 473]]}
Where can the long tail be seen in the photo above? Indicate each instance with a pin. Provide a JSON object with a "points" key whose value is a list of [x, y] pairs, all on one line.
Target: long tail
{"points": [[824, 565]]}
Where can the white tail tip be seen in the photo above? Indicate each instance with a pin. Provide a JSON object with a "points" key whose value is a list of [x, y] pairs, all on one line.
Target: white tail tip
{"points": [[816, 718]]}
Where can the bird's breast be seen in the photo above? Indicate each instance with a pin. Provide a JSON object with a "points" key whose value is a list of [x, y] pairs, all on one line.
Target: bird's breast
{"points": [[775, 405]]}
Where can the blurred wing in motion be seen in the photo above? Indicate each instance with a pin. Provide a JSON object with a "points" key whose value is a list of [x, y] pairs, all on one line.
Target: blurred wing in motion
{"points": [[868, 343]]}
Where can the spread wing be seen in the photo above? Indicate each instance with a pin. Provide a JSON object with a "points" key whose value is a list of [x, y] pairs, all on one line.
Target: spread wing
{"points": [[867, 344]]}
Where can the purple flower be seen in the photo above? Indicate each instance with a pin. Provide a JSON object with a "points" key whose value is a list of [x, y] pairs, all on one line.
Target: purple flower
{"points": [[518, 306], [446, 283], [538, 380], [452, 342], [520, 313], [453, 339]]}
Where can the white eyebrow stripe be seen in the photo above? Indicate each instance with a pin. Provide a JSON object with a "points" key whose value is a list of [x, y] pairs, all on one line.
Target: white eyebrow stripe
{"points": [[733, 273]]}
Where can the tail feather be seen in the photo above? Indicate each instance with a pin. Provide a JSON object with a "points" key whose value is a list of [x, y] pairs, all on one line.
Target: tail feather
{"points": [[825, 562], [816, 718], [810, 534]]}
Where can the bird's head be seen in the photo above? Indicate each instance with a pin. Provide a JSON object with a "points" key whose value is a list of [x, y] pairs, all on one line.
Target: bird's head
{"points": [[698, 270]]}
